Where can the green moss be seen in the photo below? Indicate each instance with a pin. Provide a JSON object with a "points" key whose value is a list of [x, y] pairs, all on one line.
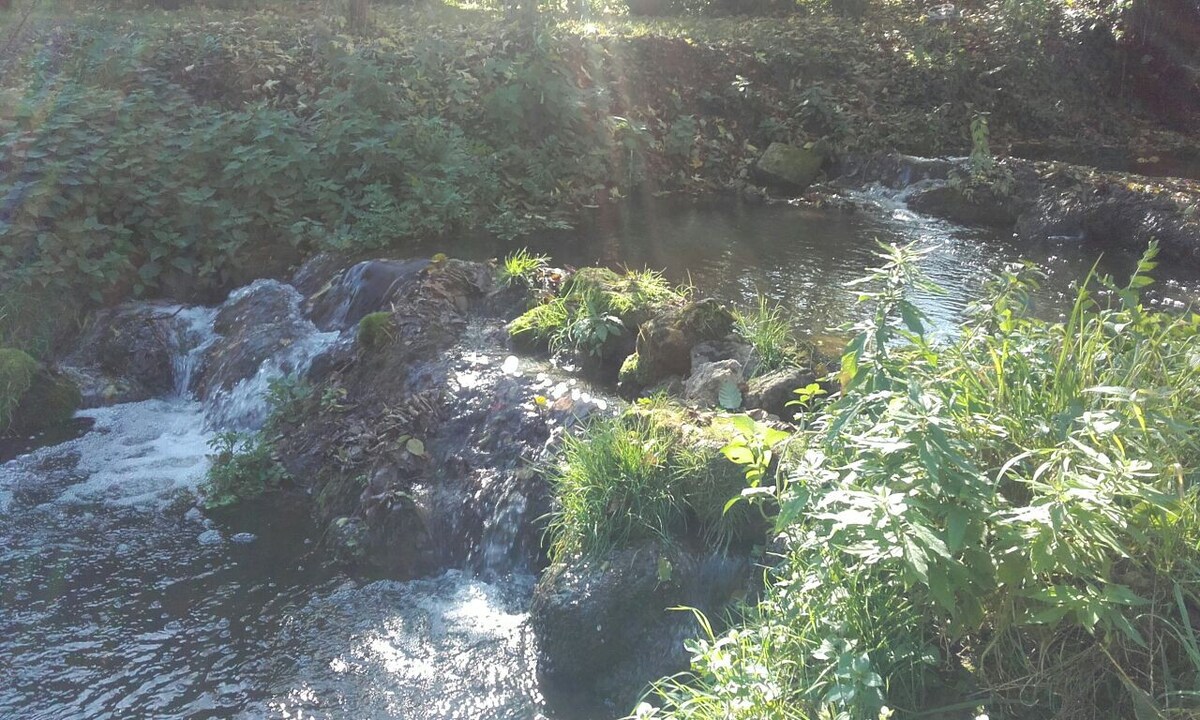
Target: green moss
{"points": [[630, 374], [596, 308], [375, 331], [17, 370], [536, 328], [32, 399]]}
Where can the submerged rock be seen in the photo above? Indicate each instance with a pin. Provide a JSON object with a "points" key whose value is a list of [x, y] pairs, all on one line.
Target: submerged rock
{"points": [[606, 627], [980, 206], [789, 168]]}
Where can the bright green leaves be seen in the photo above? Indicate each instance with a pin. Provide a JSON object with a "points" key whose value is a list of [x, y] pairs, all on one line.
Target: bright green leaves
{"points": [[1025, 488]]}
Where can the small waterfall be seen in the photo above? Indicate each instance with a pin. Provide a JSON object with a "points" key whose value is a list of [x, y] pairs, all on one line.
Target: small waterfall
{"points": [[193, 336], [288, 339], [360, 290]]}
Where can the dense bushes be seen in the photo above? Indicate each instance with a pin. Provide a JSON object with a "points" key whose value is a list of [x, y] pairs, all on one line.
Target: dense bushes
{"points": [[165, 160], [1006, 522]]}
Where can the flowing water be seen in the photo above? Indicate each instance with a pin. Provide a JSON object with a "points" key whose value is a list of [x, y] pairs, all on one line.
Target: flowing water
{"points": [[120, 600]]}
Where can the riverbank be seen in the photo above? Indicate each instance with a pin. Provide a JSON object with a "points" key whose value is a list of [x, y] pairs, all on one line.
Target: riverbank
{"points": [[253, 138], [585, 424]]}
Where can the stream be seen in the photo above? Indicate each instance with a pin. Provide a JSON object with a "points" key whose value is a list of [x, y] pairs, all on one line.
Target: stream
{"points": [[119, 599]]}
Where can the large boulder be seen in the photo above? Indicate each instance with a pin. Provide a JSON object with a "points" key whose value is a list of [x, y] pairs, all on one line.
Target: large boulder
{"points": [[665, 343], [789, 168], [606, 627], [32, 397], [126, 354], [716, 384]]}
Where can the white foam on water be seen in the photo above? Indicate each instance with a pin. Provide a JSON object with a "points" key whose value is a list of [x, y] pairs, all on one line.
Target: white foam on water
{"points": [[136, 454], [445, 648]]}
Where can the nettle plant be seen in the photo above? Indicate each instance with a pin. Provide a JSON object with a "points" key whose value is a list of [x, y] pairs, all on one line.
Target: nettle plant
{"points": [[1006, 519]]}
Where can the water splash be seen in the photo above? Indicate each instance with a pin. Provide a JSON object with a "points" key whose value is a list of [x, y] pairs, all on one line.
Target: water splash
{"points": [[193, 336]]}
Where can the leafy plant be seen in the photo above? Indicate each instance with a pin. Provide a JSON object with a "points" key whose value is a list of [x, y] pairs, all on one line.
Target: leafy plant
{"points": [[1023, 494], [243, 468]]}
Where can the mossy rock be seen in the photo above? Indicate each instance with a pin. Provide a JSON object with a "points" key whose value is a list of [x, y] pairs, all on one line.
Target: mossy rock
{"points": [[665, 343], [33, 399], [535, 329], [790, 168], [375, 330], [630, 376], [581, 318]]}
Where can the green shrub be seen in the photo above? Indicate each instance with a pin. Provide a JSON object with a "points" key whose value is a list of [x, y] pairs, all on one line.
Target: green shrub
{"points": [[243, 468], [1024, 495]]}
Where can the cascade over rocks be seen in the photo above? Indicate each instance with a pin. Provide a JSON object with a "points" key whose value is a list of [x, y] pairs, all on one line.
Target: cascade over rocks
{"points": [[256, 322], [1053, 201], [364, 288], [417, 456]]}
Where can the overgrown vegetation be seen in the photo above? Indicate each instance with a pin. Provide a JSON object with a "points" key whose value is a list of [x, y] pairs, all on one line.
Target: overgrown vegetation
{"points": [[766, 328], [653, 473], [1004, 523], [596, 307], [17, 371], [162, 153]]}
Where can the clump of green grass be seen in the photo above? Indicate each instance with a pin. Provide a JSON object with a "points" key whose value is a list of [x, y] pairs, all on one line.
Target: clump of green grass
{"points": [[375, 331], [17, 370], [766, 328], [595, 307], [521, 269], [1023, 495], [652, 473]]}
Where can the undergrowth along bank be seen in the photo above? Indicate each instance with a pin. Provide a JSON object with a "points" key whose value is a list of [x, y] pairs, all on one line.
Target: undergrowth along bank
{"points": [[162, 153], [1002, 523]]}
